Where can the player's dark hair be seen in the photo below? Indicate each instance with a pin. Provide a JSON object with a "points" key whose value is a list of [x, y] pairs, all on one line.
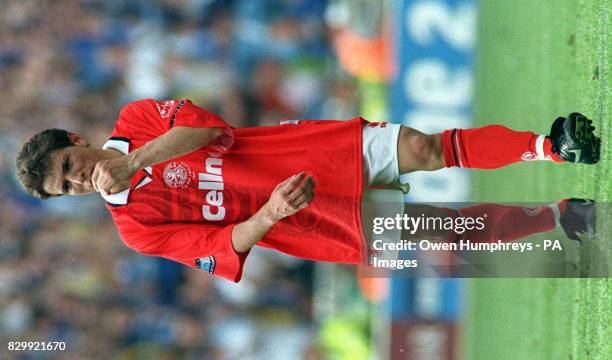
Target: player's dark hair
{"points": [[32, 161]]}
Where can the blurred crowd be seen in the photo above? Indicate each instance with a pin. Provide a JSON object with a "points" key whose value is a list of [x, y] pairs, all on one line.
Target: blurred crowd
{"points": [[64, 274]]}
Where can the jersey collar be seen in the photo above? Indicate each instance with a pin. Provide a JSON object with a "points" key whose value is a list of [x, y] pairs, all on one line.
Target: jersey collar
{"points": [[122, 145]]}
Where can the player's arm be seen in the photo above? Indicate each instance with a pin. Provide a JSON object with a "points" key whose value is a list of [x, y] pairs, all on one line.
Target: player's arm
{"points": [[178, 141], [289, 197], [113, 175]]}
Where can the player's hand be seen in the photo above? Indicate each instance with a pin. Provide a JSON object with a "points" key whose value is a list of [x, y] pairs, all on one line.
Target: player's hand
{"points": [[291, 196], [112, 176]]}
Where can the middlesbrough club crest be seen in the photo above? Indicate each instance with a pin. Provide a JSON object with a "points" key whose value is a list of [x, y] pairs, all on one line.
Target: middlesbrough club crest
{"points": [[532, 211], [529, 156], [164, 108], [177, 175]]}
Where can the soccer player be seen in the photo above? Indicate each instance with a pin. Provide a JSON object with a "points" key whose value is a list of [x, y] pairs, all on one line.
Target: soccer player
{"points": [[182, 184]]}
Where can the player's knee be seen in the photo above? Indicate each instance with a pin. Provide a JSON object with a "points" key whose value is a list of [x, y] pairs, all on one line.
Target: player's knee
{"points": [[423, 150]]}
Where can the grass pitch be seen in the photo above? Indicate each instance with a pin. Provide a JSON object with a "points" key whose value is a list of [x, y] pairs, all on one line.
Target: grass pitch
{"points": [[538, 60]]}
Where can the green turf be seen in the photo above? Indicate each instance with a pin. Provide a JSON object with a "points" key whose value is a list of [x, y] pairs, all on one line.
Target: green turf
{"points": [[537, 60]]}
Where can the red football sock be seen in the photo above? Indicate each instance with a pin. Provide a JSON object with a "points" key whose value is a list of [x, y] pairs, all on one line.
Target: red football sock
{"points": [[508, 223], [494, 146]]}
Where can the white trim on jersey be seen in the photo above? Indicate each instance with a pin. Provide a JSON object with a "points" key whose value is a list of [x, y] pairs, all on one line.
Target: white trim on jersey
{"points": [[121, 198], [123, 146], [144, 182], [117, 144]]}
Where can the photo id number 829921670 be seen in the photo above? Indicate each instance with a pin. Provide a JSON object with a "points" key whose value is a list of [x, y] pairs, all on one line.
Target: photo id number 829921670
{"points": [[36, 346]]}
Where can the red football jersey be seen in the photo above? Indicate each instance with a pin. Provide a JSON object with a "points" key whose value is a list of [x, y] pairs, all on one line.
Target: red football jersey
{"points": [[185, 209]]}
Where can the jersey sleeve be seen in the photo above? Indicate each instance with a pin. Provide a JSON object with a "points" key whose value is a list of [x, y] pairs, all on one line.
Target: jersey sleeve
{"points": [[205, 247], [145, 120]]}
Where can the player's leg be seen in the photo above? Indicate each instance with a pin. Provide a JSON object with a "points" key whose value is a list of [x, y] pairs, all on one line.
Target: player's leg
{"points": [[571, 139], [508, 223], [505, 222], [498, 222], [417, 151]]}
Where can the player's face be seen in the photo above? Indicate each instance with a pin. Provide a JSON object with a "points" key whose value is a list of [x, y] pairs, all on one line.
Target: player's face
{"points": [[69, 169]]}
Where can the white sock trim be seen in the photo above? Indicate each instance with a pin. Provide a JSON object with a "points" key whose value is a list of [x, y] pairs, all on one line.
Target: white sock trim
{"points": [[458, 149], [539, 147], [556, 213]]}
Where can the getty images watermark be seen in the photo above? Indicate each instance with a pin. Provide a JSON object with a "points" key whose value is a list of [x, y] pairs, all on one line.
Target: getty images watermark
{"points": [[488, 239]]}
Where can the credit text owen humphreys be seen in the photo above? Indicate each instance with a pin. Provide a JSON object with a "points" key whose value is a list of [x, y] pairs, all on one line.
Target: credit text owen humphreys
{"points": [[419, 227]]}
